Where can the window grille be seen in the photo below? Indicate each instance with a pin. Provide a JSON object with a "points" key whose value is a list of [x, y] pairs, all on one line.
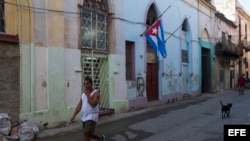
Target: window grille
{"points": [[93, 30], [95, 65], [91, 68]]}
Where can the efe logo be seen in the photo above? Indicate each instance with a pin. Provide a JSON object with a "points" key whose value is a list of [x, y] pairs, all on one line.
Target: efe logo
{"points": [[237, 132]]}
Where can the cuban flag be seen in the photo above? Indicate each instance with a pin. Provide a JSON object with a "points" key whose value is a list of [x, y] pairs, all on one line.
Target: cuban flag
{"points": [[155, 36]]}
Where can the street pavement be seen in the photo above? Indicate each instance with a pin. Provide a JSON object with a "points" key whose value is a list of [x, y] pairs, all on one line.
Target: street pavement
{"points": [[196, 119]]}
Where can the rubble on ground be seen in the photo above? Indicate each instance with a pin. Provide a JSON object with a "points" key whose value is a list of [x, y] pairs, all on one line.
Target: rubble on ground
{"points": [[24, 131]]}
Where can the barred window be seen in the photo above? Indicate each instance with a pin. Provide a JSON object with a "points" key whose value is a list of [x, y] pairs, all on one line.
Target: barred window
{"points": [[93, 30], [2, 16]]}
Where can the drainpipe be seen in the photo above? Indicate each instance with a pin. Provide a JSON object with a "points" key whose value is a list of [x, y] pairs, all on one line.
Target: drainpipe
{"points": [[198, 10]]}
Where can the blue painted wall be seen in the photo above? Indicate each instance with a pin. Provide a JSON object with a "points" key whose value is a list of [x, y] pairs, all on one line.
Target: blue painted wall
{"points": [[170, 68]]}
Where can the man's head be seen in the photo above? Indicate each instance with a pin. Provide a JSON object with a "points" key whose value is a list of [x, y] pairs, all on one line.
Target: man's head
{"points": [[87, 83]]}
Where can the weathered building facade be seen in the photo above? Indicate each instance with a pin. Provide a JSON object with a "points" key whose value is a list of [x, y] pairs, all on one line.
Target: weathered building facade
{"points": [[60, 43], [169, 79], [243, 21], [227, 53], [235, 12]]}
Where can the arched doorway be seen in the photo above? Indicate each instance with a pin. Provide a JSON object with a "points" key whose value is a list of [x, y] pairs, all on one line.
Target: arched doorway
{"points": [[152, 64], [206, 71]]}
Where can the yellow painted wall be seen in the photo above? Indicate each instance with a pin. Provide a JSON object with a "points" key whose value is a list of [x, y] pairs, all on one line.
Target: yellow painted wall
{"points": [[18, 19], [11, 20], [56, 24]]}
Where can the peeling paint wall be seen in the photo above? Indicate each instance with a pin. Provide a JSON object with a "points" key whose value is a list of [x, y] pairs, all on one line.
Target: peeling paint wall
{"points": [[41, 87], [170, 69], [50, 60], [117, 85]]}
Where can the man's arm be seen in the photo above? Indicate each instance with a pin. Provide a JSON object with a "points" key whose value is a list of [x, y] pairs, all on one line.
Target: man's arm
{"points": [[94, 100], [77, 110]]}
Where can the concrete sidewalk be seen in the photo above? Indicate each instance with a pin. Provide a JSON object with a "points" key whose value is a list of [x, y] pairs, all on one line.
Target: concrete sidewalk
{"points": [[71, 128]]}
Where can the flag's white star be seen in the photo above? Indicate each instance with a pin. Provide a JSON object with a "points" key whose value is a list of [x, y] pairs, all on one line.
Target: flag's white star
{"points": [[154, 31]]}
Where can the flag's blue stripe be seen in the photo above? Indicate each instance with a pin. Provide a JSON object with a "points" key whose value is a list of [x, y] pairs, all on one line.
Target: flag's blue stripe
{"points": [[160, 45], [161, 42], [152, 43]]}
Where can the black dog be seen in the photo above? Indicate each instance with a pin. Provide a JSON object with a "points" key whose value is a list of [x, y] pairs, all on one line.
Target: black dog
{"points": [[225, 110]]}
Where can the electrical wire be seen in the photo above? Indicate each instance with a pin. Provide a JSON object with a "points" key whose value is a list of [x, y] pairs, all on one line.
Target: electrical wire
{"points": [[48, 11], [42, 10]]}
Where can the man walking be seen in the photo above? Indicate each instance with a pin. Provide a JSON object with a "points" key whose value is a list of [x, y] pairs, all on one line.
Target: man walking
{"points": [[241, 84], [89, 107]]}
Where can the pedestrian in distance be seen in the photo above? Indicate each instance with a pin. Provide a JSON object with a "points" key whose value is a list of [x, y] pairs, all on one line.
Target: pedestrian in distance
{"points": [[241, 84], [89, 107]]}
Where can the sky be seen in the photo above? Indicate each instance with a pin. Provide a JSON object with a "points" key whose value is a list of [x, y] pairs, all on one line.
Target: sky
{"points": [[245, 4]]}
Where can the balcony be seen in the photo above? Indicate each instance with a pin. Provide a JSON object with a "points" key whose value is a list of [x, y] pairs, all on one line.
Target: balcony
{"points": [[228, 50], [245, 45]]}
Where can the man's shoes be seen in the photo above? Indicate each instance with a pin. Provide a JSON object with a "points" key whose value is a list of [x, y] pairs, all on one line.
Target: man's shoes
{"points": [[103, 138]]}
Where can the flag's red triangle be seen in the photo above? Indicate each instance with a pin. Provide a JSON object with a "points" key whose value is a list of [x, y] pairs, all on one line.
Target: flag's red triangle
{"points": [[154, 29]]}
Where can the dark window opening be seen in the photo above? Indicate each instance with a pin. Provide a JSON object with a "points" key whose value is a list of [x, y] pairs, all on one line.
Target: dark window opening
{"points": [[130, 60], [152, 16], [96, 5], [184, 25], [184, 55], [224, 37], [2, 16]]}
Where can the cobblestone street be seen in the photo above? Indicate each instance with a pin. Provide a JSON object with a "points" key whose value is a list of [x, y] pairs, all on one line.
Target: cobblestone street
{"points": [[198, 119]]}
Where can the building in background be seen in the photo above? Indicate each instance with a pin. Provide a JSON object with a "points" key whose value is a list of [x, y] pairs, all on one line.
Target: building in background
{"points": [[228, 51], [235, 12]]}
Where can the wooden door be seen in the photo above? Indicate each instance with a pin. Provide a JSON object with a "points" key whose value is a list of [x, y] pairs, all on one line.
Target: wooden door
{"points": [[152, 81]]}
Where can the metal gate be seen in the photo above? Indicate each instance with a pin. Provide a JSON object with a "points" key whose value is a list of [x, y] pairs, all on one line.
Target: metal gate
{"points": [[95, 65]]}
